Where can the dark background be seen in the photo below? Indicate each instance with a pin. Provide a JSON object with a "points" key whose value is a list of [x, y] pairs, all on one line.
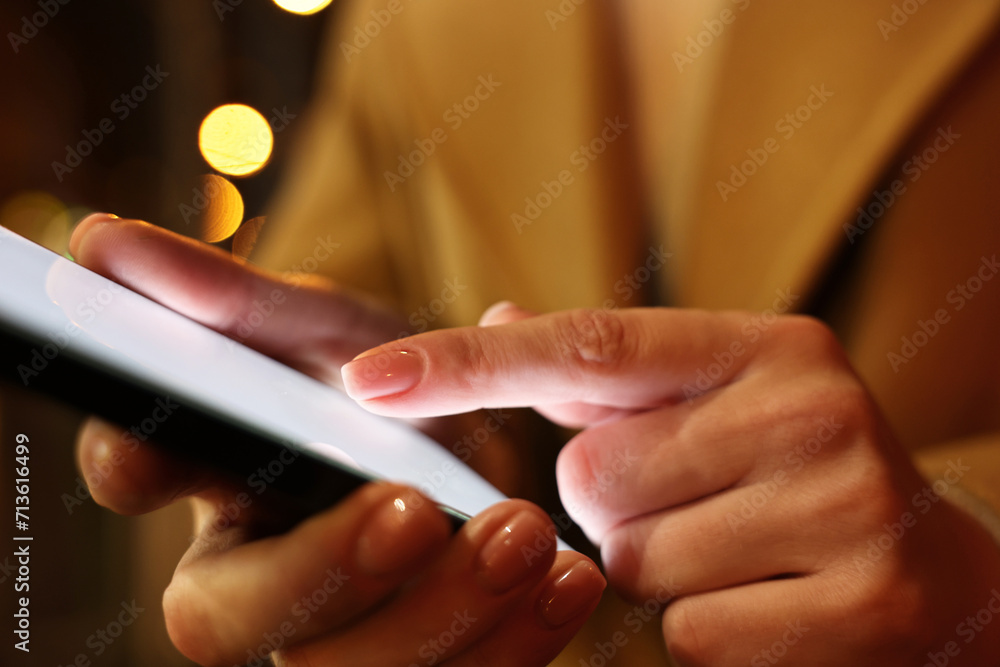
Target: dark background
{"points": [[87, 561]]}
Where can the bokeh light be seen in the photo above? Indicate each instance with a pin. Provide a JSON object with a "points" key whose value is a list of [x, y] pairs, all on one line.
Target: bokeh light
{"points": [[246, 237], [220, 208], [302, 6], [235, 139], [40, 217]]}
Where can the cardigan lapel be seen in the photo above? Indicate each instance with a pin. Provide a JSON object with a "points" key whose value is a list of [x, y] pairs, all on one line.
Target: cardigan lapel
{"points": [[803, 105]]}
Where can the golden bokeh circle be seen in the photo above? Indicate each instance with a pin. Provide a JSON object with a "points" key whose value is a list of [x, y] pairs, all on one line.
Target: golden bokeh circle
{"points": [[220, 208], [246, 237], [303, 6], [235, 139]]}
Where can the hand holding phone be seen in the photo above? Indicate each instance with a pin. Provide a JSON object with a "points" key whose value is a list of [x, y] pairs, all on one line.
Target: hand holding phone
{"points": [[331, 585]]}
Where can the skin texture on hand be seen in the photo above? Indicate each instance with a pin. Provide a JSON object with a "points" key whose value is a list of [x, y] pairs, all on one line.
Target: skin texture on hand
{"points": [[380, 564], [731, 457], [315, 326]]}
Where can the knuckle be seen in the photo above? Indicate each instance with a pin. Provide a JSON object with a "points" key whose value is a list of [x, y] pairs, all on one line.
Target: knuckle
{"points": [[575, 474], [809, 335], [593, 337], [893, 605], [864, 498], [475, 360], [680, 632], [623, 563], [860, 415], [189, 624]]}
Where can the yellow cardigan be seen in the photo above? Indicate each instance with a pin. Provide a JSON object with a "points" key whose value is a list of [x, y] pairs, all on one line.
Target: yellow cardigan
{"points": [[721, 154]]}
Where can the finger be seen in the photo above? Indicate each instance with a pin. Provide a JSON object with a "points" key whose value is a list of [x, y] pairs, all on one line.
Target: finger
{"points": [[128, 476], [582, 415], [718, 543], [257, 596], [778, 622], [498, 557], [543, 622], [673, 455], [570, 415], [277, 314], [630, 359]]}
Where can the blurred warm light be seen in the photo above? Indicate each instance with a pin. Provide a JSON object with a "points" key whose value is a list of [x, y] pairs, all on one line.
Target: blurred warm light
{"points": [[220, 211], [40, 217], [235, 139], [302, 6], [246, 237]]}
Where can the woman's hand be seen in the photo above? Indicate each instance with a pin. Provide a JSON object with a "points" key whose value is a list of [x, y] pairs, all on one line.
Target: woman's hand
{"points": [[300, 319], [375, 580], [735, 459]]}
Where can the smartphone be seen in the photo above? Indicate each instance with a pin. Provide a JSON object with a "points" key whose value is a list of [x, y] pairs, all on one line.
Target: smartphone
{"points": [[96, 345]]}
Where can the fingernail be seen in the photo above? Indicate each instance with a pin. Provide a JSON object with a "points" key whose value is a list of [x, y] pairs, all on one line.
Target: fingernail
{"points": [[571, 594], [491, 312], [382, 373], [517, 550], [400, 532], [83, 228]]}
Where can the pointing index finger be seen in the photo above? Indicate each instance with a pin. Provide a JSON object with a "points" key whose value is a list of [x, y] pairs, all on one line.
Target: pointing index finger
{"points": [[629, 359]]}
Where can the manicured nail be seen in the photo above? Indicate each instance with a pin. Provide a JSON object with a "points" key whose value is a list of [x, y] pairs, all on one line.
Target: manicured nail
{"points": [[511, 556], [382, 373], [571, 594], [399, 533], [84, 226]]}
